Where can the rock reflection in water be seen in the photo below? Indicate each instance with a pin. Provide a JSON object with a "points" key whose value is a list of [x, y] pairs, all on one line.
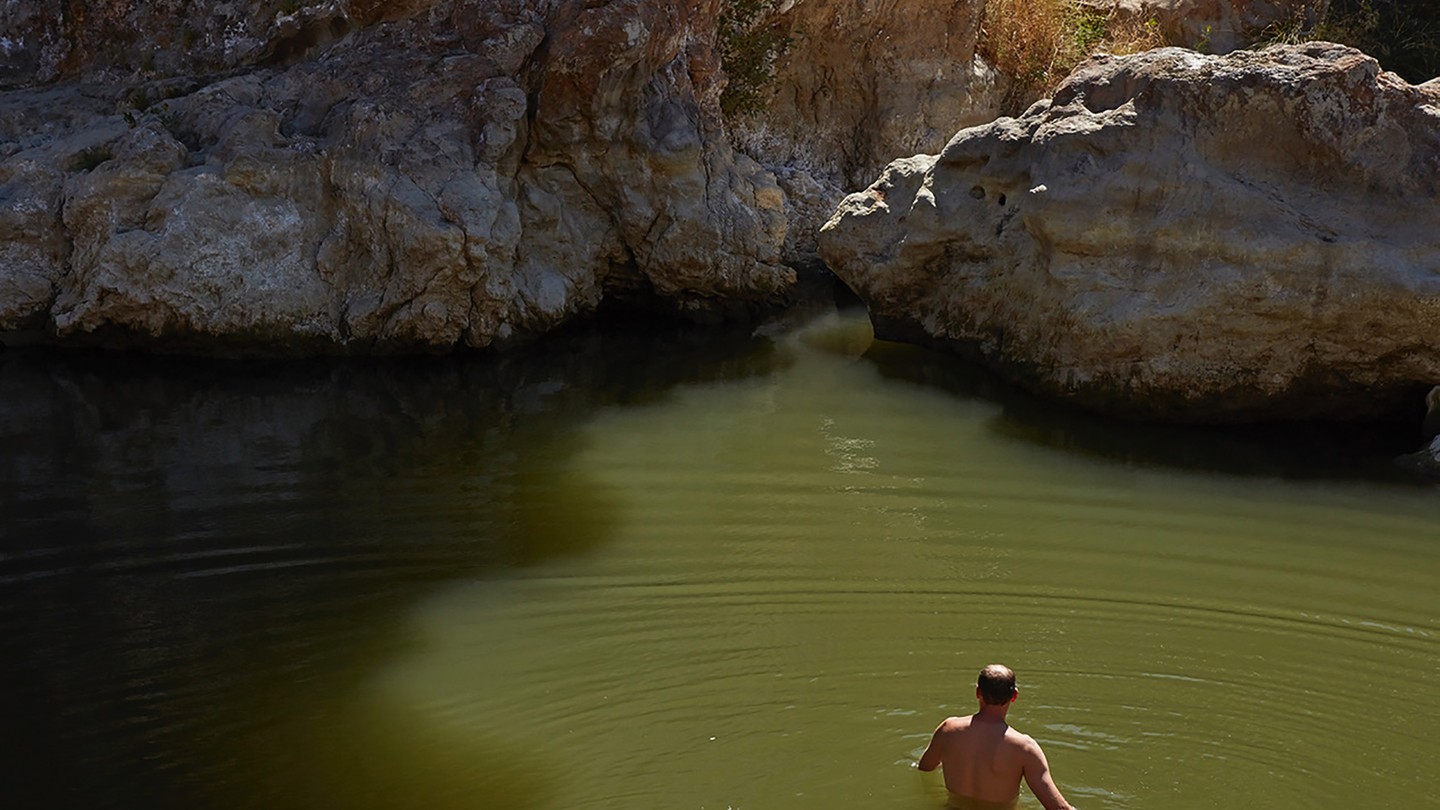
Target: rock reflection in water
{"points": [[424, 582], [198, 554], [1299, 450]]}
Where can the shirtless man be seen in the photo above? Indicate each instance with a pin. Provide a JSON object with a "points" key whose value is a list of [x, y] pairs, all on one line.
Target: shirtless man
{"points": [[984, 758]]}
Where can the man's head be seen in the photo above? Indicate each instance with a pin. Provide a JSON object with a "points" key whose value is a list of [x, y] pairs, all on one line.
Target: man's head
{"points": [[996, 685]]}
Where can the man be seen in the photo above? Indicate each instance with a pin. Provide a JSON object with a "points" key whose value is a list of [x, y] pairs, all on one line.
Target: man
{"points": [[984, 758]]}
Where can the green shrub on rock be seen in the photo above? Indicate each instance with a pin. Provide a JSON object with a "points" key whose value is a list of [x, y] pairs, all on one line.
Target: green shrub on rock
{"points": [[748, 48]]}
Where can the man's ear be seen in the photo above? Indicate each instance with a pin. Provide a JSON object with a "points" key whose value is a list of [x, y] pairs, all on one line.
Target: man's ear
{"points": [[1014, 696]]}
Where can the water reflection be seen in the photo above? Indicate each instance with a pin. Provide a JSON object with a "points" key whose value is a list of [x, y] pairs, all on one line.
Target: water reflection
{"points": [[806, 558], [194, 549], [670, 568], [1285, 450]]}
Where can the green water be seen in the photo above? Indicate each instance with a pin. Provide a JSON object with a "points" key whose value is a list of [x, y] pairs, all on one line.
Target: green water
{"points": [[748, 573]]}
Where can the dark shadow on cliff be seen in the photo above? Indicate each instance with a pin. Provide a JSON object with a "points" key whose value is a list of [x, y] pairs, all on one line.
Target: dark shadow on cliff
{"points": [[1300, 451], [194, 551], [1403, 36]]}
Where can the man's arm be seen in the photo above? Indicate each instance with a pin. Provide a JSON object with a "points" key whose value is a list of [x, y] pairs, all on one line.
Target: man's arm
{"points": [[1037, 776], [930, 760]]}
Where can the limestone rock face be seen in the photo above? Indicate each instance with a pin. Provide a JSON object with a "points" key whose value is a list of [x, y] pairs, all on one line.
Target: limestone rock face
{"points": [[404, 176], [857, 85], [1176, 236]]}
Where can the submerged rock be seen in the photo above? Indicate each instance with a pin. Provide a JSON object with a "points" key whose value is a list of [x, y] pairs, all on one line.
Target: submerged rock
{"points": [[1176, 236], [1425, 461], [373, 175]]}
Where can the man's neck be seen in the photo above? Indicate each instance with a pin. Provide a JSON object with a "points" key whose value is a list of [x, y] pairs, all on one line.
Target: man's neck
{"points": [[992, 714]]}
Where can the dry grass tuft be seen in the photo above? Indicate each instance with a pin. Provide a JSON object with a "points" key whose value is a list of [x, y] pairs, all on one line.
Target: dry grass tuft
{"points": [[1039, 42], [1132, 35]]}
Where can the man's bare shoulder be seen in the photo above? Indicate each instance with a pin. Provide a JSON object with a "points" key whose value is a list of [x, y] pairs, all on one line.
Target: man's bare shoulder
{"points": [[955, 724], [1021, 740]]}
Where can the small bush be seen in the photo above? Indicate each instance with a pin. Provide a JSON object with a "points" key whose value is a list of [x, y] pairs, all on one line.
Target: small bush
{"points": [[748, 50]]}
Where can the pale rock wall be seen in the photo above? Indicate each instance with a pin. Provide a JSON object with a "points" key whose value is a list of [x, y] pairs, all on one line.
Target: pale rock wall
{"points": [[451, 172], [316, 175], [1177, 236], [859, 83]]}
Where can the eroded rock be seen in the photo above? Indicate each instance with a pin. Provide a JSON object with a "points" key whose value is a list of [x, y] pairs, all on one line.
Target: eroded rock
{"points": [[423, 175], [1177, 236]]}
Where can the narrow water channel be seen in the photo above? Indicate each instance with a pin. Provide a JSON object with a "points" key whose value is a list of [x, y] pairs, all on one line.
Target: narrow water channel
{"points": [[675, 570]]}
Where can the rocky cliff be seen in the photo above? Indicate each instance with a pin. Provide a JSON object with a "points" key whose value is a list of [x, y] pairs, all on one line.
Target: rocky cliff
{"points": [[357, 175], [1177, 236], [309, 176]]}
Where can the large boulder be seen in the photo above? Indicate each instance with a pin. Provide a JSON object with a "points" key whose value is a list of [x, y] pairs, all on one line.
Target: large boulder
{"points": [[357, 175], [1177, 236]]}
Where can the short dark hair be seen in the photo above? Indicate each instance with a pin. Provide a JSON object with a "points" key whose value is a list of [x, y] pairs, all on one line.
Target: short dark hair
{"points": [[997, 684]]}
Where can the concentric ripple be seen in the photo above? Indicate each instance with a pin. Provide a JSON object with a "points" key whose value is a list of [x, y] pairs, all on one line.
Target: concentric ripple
{"points": [[753, 576], [810, 566]]}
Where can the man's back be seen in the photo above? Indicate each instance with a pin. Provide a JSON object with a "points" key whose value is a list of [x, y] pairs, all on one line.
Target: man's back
{"points": [[983, 759]]}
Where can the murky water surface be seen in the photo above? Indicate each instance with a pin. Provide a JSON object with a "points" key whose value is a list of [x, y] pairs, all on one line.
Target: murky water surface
{"points": [[673, 571]]}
